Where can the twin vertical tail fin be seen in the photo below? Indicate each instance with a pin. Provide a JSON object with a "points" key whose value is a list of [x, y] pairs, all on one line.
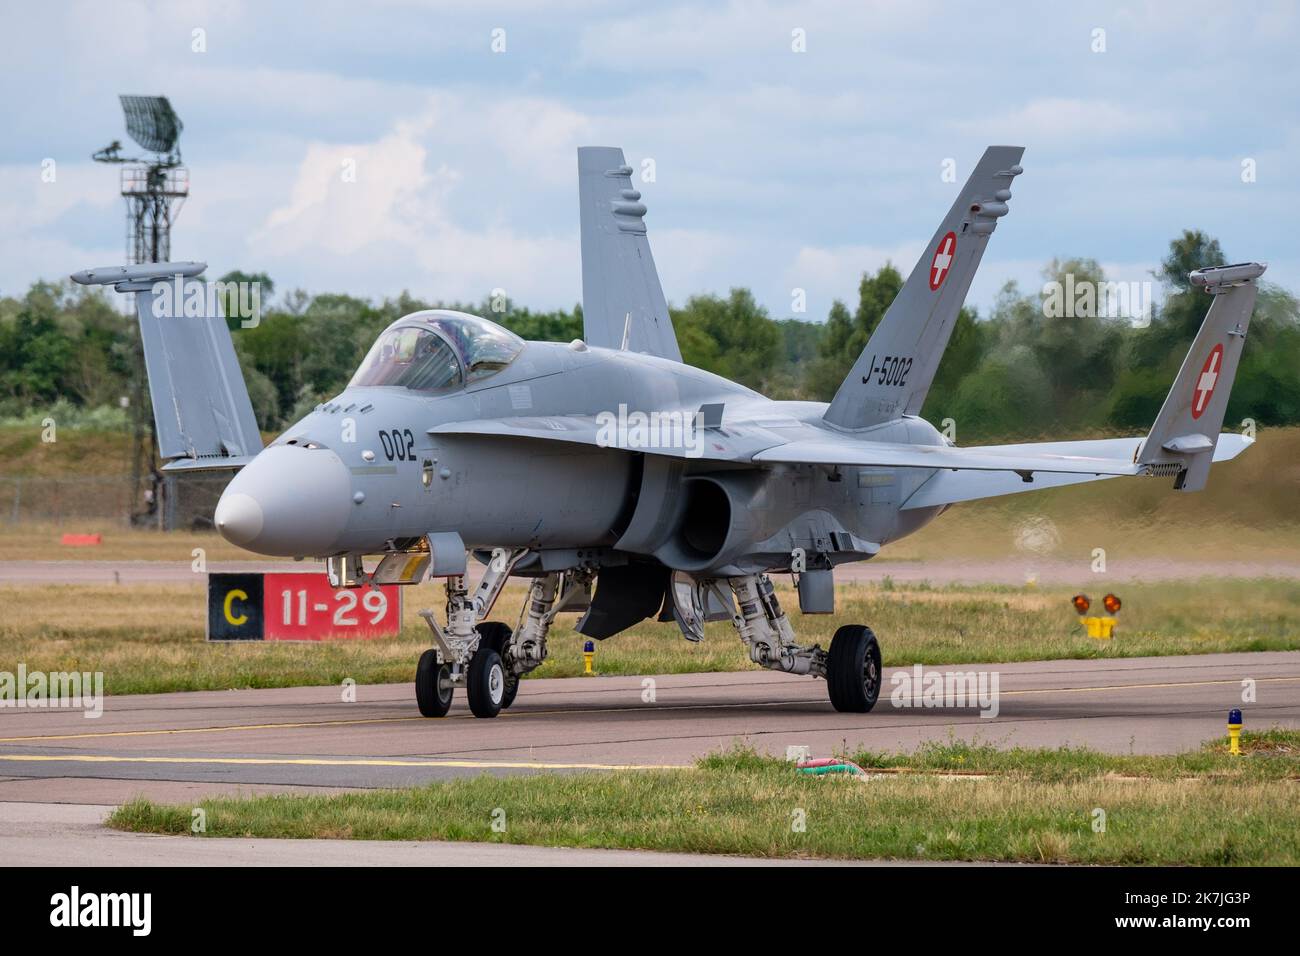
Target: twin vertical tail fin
{"points": [[894, 373], [1185, 433], [202, 413], [623, 304]]}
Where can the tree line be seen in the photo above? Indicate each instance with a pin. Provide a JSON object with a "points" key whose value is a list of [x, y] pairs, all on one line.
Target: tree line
{"points": [[1023, 369]]}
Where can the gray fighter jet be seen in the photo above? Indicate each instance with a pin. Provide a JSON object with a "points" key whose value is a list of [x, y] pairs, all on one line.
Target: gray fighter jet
{"points": [[619, 481]]}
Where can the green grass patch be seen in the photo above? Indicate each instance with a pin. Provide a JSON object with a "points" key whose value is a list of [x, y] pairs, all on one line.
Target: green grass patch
{"points": [[1202, 808]]}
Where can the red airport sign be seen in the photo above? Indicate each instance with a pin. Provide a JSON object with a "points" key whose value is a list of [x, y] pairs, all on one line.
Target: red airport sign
{"points": [[298, 606]]}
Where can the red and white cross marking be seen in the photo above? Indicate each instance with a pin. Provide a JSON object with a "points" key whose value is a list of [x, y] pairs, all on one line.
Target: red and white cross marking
{"points": [[1205, 384], [942, 260]]}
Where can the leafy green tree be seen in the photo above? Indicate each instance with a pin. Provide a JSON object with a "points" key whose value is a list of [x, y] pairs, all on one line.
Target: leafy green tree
{"points": [[732, 337]]}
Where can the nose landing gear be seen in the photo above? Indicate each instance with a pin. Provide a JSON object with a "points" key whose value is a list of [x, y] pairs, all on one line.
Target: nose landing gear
{"points": [[433, 685], [487, 657], [485, 684]]}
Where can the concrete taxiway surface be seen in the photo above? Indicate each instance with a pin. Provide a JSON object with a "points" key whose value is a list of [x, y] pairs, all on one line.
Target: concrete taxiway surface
{"points": [[60, 771], [179, 747]]}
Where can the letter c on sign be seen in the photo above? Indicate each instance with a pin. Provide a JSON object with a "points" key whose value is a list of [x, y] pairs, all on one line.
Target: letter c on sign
{"points": [[226, 607]]}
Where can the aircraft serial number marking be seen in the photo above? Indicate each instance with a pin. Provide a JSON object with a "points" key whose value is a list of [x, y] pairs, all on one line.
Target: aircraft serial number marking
{"points": [[399, 444], [892, 370]]}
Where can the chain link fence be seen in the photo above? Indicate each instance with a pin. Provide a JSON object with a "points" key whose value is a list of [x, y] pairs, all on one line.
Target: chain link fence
{"points": [[175, 502]]}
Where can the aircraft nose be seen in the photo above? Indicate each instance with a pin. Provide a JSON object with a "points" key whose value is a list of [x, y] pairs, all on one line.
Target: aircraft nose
{"points": [[288, 501], [239, 518]]}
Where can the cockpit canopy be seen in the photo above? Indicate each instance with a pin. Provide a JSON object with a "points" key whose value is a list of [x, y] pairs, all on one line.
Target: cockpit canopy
{"points": [[437, 351]]}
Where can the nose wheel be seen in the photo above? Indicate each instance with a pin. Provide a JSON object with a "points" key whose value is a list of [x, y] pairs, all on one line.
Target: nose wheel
{"points": [[489, 684], [485, 684], [496, 635], [433, 685]]}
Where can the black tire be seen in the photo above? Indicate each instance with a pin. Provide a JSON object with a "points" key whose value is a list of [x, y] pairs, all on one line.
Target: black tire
{"points": [[496, 635], [485, 684], [433, 687], [853, 673], [511, 692]]}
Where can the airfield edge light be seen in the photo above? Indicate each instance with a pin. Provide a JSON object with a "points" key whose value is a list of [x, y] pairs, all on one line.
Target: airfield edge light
{"points": [[1234, 732]]}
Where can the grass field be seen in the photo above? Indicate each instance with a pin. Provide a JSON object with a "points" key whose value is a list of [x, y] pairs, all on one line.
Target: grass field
{"points": [[149, 638], [944, 802]]}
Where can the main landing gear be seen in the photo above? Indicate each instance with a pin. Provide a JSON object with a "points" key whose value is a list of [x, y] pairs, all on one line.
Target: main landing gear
{"points": [[851, 667], [487, 658]]}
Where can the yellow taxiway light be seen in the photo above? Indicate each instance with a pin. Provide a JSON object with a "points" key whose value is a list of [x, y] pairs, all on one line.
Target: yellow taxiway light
{"points": [[1234, 732]]}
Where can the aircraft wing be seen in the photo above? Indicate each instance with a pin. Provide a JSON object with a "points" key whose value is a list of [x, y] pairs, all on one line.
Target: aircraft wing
{"points": [[960, 474], [1048, 458], [202, 413], [949, 487]]}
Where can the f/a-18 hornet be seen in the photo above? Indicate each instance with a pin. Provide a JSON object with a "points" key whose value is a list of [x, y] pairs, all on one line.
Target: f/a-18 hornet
{"points": [[620, 481]]}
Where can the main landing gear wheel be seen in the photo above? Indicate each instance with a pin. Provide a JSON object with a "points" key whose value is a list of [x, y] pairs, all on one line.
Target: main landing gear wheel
{"points": [[853, 669], [485, 683], [433, 686], [496, 635]]}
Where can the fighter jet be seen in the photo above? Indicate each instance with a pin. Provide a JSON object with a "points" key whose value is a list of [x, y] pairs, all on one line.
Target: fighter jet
{"points": [[619, 481]]}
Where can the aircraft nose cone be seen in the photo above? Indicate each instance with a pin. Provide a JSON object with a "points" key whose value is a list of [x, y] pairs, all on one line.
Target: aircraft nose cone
{"points": [[238, 518], [289, 501]]}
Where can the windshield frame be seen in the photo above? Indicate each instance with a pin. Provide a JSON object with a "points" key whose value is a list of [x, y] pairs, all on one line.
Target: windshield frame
{"points": [[492, 348], [479, 346], [370, 365]]}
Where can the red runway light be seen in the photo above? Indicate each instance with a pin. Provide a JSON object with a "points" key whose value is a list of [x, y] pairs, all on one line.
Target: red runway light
{"points": [[1081, 603], [1111, 603]]}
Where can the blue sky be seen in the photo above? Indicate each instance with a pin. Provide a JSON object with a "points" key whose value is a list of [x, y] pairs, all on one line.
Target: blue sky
{"points": [[774, 169]]}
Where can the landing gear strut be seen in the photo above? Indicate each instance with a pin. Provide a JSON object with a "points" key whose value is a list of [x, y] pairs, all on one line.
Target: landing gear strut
{"points": [[464, 651], [851, 667], [487, 657]]}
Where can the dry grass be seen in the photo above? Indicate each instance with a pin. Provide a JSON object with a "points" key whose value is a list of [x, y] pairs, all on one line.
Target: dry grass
{"points": [[149, 638]]}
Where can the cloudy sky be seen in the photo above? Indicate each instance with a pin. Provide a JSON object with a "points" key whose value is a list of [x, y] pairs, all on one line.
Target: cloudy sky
{"points": [[774, 169]]}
